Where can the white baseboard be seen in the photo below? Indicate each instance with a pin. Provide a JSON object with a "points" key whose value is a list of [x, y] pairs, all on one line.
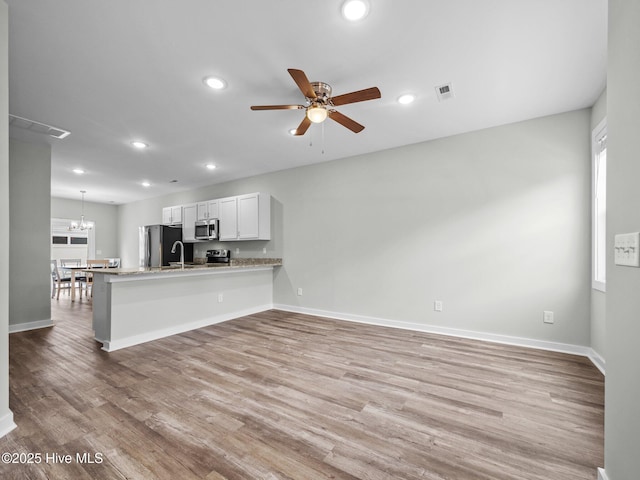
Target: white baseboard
{"points": [[597, 360], [23, 327], [602, 475], [110, 346], [6, 424]]}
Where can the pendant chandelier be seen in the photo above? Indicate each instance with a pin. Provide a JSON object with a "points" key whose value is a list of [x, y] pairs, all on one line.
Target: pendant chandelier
{"points": [[82, 225]]}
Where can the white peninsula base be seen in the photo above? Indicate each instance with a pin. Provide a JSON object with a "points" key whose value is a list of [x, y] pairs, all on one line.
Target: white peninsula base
{"points": [[129, 309]]}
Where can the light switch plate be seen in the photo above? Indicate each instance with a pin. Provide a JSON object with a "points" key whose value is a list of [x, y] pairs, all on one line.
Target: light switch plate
{"points": [[627, 249]]}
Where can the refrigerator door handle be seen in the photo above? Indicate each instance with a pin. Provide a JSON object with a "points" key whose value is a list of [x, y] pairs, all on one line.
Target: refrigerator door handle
{"points": [[148, 248], [142, 246]]}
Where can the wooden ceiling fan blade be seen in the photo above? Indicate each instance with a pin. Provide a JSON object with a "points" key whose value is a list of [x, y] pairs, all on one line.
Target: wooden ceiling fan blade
{"points": [[303, 127], [359, 96], [303, 82], [276, 107], [345, 121]]}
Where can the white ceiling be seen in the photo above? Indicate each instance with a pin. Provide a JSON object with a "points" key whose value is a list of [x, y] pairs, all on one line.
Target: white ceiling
{"points": [[118, 70]]}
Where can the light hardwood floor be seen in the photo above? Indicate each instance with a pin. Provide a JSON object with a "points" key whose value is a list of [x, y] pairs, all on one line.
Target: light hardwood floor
{"points": [[287, 396]]}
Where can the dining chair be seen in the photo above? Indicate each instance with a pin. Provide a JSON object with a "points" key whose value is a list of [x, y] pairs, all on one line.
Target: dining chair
{"points": [[80, 278], [114, 262], [88, 279], [58, 282], [70, 262]]}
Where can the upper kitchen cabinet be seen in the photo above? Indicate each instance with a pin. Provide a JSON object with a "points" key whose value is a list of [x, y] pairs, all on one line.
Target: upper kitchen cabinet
{"points": [[207, 210], [228, 209], [245, 217], [189, 224], [172, 215]]}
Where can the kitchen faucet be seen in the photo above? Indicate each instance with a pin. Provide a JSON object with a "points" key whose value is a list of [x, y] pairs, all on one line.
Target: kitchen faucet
{"points": [[173, 250]]}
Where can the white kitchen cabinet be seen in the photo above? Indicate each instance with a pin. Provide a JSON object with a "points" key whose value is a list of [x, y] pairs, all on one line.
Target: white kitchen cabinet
{"points": [[249, 216], [172, 215], [228, 226], [189, 224], [207, 210], [245, 217], [166, 216]]}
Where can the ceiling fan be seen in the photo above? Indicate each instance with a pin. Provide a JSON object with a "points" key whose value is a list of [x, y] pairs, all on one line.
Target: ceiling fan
{"points": [[319, 103]]}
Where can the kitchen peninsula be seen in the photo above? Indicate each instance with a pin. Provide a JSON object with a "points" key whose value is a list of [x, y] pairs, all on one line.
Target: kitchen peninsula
{"points": [[136, 305]]}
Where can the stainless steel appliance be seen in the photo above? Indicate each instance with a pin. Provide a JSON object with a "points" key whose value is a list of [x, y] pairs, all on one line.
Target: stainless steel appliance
{"points": [[219, 256], [155, 246], [207, 229]]}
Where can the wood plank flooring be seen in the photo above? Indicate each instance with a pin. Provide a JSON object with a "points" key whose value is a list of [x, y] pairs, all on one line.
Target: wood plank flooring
{"points": [[287, 396]]}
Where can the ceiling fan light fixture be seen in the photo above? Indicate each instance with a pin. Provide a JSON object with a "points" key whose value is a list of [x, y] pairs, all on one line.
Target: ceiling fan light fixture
{"points": [[354, 10], [317, 114]]}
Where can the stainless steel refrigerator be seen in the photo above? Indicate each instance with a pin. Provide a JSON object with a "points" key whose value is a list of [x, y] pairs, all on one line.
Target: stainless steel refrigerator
{"points": [[156, 242]]}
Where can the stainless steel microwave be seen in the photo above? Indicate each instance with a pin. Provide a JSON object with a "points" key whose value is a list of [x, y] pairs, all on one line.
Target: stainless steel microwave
{"points": [[207, 229]]}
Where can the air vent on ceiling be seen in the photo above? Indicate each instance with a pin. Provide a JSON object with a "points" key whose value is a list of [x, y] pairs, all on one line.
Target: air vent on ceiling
{"points": [[444, 92], [37, 127]]}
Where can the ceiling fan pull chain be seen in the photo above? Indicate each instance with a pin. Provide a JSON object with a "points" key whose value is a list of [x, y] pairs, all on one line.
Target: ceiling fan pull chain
{"points": [[322, 138]]}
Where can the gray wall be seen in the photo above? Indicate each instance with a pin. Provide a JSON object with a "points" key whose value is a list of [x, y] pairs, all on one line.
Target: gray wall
{"points": [[6, 418], [622, 402], [105, 217], [30, 184], [494, 223], [598, 298]]}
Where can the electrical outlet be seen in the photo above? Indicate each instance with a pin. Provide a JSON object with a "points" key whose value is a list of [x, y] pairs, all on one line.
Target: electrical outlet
{"points": [[547, 316], [237, 251], [264, 250], [437, 305], [299, 291], [220, 298]]}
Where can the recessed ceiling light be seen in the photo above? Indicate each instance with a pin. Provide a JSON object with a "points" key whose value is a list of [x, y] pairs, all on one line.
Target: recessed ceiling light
{"points": [[146, 184], [139, 144], [406, 98], [215, 83], [354, 10], [78, 171], [210, 166]]}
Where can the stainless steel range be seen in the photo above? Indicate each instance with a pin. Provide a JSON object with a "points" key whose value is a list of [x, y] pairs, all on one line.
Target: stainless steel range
{"points": [[219, 256]]}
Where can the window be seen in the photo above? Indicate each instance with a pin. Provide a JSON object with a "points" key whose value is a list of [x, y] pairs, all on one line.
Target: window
{"points": [[67, 243], [599, 215]]}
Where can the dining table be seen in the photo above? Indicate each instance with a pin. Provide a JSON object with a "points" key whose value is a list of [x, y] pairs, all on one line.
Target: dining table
{"points": [[78, 268], [91, 267], [72, 270]]}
